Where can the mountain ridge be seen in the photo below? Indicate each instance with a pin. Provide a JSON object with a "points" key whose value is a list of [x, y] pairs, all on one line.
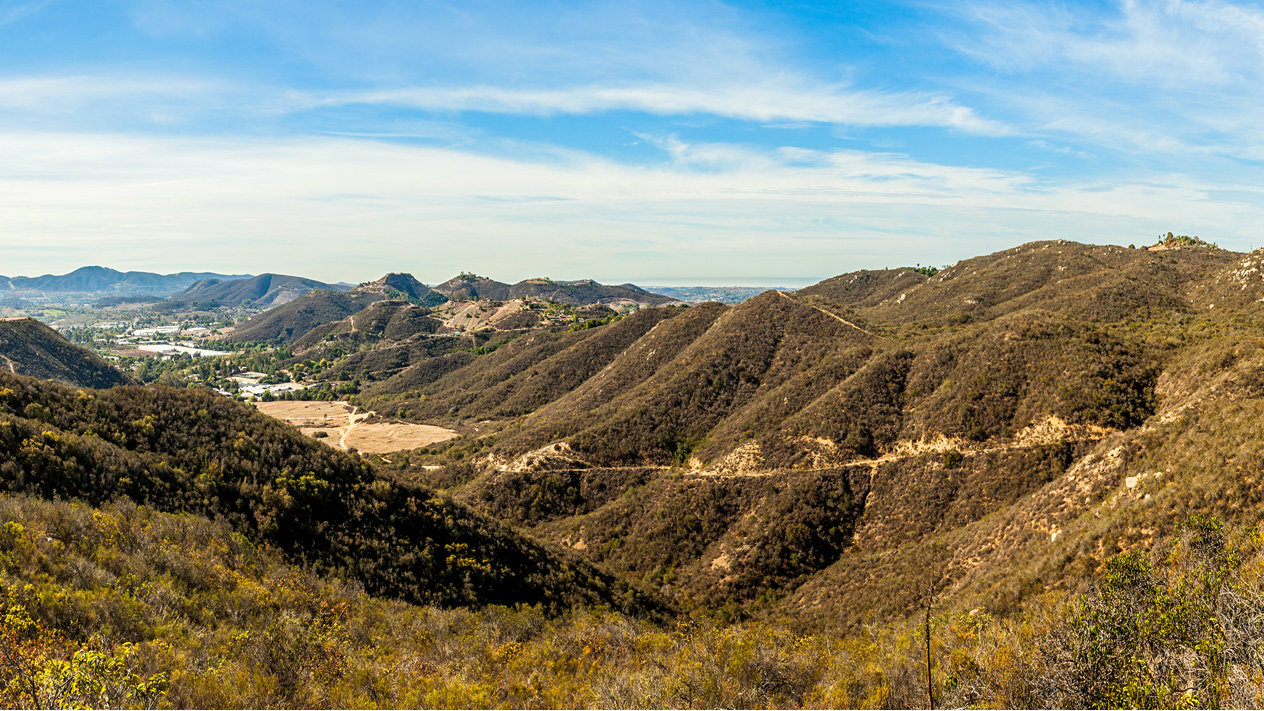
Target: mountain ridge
{"points": [[727, 453], [471, 287], [103, 279], [265, 290]]}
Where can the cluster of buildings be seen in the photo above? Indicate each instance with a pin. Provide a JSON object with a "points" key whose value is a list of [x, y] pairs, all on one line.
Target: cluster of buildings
{"points": [[155, 331], [145, 341], [250, 388]]}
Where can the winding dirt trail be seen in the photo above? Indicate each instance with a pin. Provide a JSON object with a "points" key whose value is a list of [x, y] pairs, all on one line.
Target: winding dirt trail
{"points": [[353, 420], [9, 361], [1051, 430], [834, 316]]}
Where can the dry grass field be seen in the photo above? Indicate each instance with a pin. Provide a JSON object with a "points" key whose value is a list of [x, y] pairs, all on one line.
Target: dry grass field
{"points": [[308, 414], [347, 428]]}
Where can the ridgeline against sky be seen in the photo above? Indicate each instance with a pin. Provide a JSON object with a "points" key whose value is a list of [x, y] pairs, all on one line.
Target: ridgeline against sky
{"points": [[621, 141]]}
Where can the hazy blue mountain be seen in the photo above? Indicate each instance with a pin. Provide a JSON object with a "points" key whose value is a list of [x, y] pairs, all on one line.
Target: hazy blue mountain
{"points": [[103, 279]]}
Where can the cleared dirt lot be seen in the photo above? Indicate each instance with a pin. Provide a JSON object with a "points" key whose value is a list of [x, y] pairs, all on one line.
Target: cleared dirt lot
{"points": [[309, 414], [348, 428]]}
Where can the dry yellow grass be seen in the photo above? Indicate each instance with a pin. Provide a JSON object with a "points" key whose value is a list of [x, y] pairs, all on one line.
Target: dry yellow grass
{"points": [[347, 428], [379, 437], [308, 414]]}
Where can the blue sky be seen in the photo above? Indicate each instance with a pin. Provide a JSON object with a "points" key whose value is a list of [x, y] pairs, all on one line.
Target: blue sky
{"points": [[661, 142]]}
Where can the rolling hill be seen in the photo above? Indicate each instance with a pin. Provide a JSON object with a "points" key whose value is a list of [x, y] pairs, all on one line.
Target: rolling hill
{"points": [[465, 304], [582, 292], [265, 290], [404, 286], [471, 287], [1088, 282], [295, 319], [28, 347]]}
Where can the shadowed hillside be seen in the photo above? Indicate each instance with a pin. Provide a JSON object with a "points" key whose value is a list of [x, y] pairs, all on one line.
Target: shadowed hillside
{"points": [[28, 347], [299, 317], [194, 451]]}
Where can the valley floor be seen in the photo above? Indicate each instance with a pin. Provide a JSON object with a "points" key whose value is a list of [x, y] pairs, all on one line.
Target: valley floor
{"points": [[344, 427]]}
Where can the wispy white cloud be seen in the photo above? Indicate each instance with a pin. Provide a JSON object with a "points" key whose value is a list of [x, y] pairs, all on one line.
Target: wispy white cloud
{"points": [[15, 11], [779, 100], [1177, 44], [1147, 79], [60, 94], [552, 58], [346, 209]]}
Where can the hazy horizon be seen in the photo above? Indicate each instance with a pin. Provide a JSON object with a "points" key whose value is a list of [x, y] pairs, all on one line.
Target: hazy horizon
{"points": [[669, 282]]}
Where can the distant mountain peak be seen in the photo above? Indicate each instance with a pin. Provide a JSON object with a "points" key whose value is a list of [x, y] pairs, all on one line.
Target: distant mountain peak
{"points": [[95, 269], [401, 282]]}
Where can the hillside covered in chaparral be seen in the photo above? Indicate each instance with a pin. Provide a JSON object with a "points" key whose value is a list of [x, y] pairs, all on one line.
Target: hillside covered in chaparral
{"points": [[1031, 478]]}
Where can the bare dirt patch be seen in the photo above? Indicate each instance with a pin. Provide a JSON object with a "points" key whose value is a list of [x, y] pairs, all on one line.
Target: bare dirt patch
{"points": [[346, 428], [380, 437], [308, 414]]}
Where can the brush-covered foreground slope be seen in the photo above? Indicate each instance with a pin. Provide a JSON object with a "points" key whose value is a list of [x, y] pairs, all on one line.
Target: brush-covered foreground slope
{"points": [[125, 606], [28, 347], [824, 448], [195, 451]]}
